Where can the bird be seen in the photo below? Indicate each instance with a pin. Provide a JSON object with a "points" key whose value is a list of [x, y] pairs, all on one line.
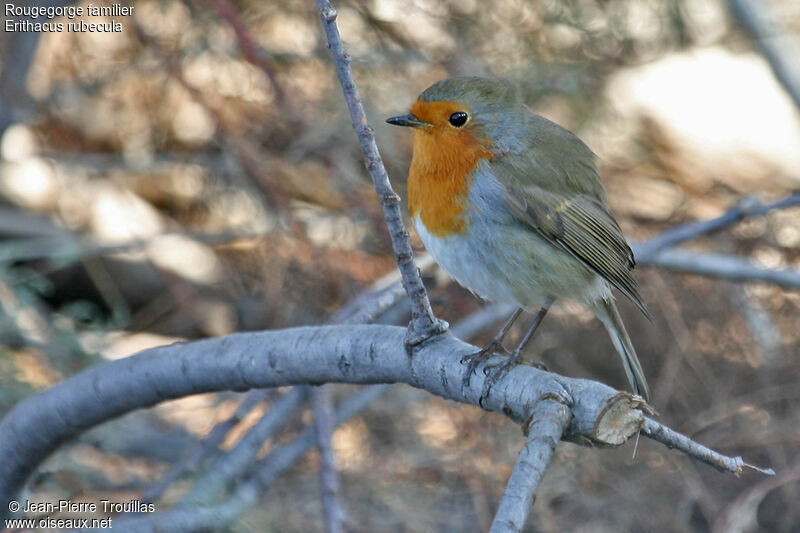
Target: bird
{"points": [[511, 206]]}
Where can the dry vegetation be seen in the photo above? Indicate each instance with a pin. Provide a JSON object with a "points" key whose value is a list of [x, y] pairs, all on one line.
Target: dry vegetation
{"points": [[173, 182]]}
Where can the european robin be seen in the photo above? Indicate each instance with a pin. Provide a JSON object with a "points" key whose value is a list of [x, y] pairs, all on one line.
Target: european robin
{"points": [[510, 204]]}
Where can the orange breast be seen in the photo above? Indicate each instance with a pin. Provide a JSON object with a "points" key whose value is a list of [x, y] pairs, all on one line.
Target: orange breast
{"points": [[440, 174]]}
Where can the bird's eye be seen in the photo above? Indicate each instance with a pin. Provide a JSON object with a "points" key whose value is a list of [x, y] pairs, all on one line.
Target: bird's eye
{"points": [[458, 119]]}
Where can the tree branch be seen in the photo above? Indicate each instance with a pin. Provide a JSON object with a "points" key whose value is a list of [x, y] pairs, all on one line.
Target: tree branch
{"points": [[283, 457], [748, 207], [548, 422], [722, 266], [267, 470], [333, 511], [238, 461], [346, 354], [423, 323]]}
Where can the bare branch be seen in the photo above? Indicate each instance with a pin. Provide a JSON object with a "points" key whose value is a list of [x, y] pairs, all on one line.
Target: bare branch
{"points": [[345, 354], [673, 439], [235, 463], [204, 518], [423, 323], [722, 266], [660, 251], [373, 303], [686, 232], [548, 422], [207, 446]]}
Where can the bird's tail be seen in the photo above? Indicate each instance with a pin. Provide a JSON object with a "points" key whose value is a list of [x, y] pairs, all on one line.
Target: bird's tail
{"points": [[607, 312]]}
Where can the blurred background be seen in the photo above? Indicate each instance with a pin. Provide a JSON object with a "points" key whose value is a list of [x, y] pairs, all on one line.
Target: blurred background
{"points": [[196, 174]]}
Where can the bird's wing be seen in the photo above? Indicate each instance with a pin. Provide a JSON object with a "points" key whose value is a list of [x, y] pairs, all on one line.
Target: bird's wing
{"points": [[582, 226], [552, 184]]}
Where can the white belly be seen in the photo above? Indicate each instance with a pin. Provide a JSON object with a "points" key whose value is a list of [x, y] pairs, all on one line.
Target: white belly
{"points": [[468, 265], [530, 277]]}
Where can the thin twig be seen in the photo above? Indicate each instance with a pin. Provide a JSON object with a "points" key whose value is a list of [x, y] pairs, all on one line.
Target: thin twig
{"points": [[673, 439], [423, 323], [549, 420], [722, 266], [686, 232]]}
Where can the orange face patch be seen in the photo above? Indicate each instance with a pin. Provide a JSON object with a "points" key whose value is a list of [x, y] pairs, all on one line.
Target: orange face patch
{"points": [[444, 157]]}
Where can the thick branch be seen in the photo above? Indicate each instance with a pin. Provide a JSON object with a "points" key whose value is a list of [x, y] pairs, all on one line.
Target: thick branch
{"points": [[345, 354]]}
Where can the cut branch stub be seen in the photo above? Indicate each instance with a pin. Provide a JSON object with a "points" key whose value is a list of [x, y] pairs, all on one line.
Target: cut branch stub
{"points": [[613, 420], [620, 419]]}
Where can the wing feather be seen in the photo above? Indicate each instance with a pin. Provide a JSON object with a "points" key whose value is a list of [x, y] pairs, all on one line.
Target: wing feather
{"points": [[582, 226]]}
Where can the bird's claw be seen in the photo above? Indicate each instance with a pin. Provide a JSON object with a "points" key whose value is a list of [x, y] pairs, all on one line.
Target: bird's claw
{"points": [[474, 359], [494, 372]]}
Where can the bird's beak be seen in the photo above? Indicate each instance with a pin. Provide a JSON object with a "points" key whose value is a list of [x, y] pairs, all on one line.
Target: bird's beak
{"points": [[407, 120]]}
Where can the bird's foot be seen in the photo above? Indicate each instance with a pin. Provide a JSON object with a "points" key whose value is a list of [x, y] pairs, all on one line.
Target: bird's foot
{"points": [[496, 371], [474, 359]]}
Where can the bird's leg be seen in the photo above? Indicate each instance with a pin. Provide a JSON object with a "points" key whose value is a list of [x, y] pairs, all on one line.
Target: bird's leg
{"points": [[528, 336], [496, 371], [496, 345]]}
